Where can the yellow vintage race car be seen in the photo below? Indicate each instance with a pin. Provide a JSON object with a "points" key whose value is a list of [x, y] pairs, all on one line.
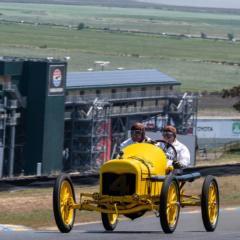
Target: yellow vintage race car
{"points": [[138, 181]]}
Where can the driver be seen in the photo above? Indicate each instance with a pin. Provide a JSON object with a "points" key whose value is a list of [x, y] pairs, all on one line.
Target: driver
{"points": [[137, 135], [183, 154]]}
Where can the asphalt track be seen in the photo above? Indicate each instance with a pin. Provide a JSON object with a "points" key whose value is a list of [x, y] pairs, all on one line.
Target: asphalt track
{"points": [[189, 227]]}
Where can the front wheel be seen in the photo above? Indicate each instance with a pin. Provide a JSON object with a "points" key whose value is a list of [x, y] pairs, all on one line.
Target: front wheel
{"points": [[109, 220], [169, 208], [63, 198], [210, 203]]}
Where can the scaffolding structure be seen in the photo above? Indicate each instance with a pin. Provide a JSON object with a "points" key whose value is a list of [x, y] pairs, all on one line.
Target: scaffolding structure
{"points": [[10, 104], [182, 113], [87, 130]]}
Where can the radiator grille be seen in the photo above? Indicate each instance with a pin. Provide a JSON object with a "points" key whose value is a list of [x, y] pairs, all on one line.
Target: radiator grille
{"points": [[118, 184]]}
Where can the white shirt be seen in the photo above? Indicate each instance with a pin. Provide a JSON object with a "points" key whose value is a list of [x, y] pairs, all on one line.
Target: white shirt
{"points": [[183, 154]]}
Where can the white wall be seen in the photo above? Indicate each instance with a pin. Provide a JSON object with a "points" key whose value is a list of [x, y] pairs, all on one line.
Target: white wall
{"points": [[218, 128]]}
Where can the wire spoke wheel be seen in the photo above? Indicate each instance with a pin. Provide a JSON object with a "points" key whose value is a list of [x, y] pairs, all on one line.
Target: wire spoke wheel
{"points": [[172, 204], [210, 203], [66, 199], [109, 220], [63, 199], [169, 205]]}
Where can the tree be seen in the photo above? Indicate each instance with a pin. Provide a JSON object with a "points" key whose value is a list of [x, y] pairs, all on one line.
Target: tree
{"points": [[203, 35], [233, 92], [230, 36], [81, 26]]}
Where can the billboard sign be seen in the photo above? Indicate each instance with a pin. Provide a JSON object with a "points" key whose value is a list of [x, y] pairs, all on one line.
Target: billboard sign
{"points": [[57, 79], [217, 128]]}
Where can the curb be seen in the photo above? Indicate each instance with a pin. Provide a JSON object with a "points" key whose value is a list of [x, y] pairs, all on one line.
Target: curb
{"points": [[13, 228]]}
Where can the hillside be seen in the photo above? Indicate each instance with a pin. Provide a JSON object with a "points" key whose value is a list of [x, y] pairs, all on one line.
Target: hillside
{"points": [[186, 5], [233, 4], [129, 38], [215, 105]]}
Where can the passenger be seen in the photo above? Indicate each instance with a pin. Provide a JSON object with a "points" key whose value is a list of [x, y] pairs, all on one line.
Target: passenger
{"points": [[183, 154], [137, 135]]}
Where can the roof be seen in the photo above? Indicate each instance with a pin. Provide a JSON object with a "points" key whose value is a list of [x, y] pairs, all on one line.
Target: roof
{"points": [[118, 78], [219, 118]]}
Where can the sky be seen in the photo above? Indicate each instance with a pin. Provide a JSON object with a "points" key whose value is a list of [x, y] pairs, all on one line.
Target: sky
{"points": [[199, 3]]}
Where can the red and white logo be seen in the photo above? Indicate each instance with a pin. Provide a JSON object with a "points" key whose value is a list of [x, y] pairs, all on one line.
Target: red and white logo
{"points": [[57, 77]]}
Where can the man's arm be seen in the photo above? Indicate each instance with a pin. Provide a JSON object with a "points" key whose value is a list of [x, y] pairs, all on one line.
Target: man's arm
{"points": [[184, 156]]}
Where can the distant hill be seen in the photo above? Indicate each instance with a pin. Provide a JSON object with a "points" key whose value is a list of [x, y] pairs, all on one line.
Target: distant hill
{"points": [[120, 3], [226, 6], [200, 3]]}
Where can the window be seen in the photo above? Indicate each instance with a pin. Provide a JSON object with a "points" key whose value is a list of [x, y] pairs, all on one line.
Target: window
{"points": [[129, 92], [143, 91], [158, 90], [98, 93], [113, 93]]}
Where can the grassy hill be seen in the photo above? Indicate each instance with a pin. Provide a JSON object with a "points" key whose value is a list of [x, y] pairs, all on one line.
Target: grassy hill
{"points": [[130, 38]]}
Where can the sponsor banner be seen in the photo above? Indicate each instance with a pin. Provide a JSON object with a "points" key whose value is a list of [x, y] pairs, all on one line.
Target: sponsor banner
{"points": [[57, 79], [218, 128]]}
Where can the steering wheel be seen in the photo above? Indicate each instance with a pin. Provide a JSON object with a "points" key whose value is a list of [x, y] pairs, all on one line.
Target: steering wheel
{"points": [[166, 146]]}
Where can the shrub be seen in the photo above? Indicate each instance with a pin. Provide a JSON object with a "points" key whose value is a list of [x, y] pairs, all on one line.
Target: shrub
{"points": [[203, 35], [43, 46], [81, 26], [230, 36]]}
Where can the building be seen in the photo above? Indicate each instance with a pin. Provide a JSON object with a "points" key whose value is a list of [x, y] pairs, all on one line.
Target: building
{"points": [[52, 120], [101, 106]]}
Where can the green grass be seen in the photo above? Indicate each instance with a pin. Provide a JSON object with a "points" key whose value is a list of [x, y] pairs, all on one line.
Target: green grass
{"points": [[224, 158], [118, 43], [33, 207], [33, 219], [151, 20], [182, 59], [43, 218], [121, 44]]}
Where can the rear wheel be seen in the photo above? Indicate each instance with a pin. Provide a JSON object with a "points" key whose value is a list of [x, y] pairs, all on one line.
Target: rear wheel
{"points": [[169, 208], [210, 203], [63, 198], [110, 221]]}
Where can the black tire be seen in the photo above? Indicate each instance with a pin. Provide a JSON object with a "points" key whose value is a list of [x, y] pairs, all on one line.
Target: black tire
{"points": [[109, 221], [210, 203], [63, 191], [169, 214]]}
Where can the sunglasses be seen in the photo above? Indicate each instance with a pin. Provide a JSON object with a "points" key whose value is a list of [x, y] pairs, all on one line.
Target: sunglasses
{"points": [[168, 134], [136, 132]]}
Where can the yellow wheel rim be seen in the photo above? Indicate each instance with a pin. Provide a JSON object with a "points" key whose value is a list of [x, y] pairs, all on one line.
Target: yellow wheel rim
{"points": [[212, 203], [112, 218], [66, 200], [172, 205]]}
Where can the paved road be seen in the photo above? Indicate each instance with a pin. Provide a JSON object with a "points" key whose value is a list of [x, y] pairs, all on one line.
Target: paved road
{"points": [[189, 227]]}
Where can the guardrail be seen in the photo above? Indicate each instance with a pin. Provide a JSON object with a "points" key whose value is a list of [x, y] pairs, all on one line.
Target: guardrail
{"points": [[122, 96], [89, 177]]}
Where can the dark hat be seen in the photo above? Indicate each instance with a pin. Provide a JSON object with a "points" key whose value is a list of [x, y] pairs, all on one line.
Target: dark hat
{"points": [[138, 126], [169, 128]]}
